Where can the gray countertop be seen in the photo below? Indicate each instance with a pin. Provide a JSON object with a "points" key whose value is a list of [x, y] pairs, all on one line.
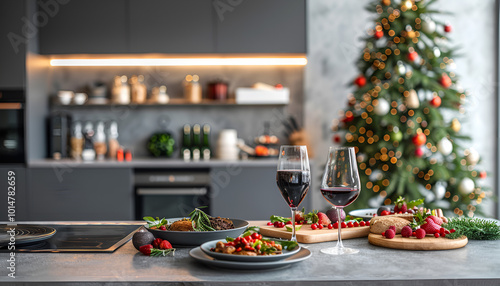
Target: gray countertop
{"points": [[151, 163], [477, 263]]}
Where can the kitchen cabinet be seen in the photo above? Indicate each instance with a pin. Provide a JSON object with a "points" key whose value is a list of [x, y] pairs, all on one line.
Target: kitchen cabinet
{"points": [[12, 44], [262, 26], [158, 26], [63, 192], [84, 27], [248, 192]]}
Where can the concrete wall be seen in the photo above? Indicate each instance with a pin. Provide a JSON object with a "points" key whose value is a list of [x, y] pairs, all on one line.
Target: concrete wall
{"points": [[334, 29]]}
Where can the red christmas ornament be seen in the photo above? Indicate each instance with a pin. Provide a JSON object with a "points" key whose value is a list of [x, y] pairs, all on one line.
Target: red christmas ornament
{"points": [[413, 56], [419, 152], [348, 119], [436, 101], [445, 80], [336, 138], [419, 139], [360, 81], [379, 34], [482, 175], [447, 28]]}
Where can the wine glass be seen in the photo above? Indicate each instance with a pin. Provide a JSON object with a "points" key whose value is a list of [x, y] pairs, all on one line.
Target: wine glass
{"points": [[340, 186], [293, 177]]}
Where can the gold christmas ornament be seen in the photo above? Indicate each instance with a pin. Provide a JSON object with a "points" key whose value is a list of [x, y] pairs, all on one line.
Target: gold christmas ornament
{"points": [[455, 125], [386, 2], [412, 101]]}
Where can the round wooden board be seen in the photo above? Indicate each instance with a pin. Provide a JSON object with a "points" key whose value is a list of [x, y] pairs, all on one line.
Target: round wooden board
{"points": [[412, 243]]}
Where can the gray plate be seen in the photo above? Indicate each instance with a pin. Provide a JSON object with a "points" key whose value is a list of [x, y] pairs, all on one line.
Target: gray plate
{"points": [[196, 238], [200, 256], [205, 247]]}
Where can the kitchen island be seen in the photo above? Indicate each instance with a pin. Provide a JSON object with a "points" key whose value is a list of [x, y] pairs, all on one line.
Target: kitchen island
{"points": [[475, 264]]}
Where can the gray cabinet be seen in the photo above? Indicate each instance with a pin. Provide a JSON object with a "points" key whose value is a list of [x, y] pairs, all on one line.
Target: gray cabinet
{"points": [[66, 193], [249, 193], [13, 41], [89, 27], [158, 26], [262, 26]]}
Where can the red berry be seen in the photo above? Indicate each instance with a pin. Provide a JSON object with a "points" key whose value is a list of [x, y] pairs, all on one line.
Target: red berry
{"points": [[276, 224], [447, 28], [436, 235], [314, 227], [165, 245], [336, 225], [436, 101], [163, 227], [350, 224], [442, 231], [343, 225], [420, 233], [393, 228], [383, 233], [282, 224], [406, 231], [360, 81], [390, 234], [356, 224], [412, 56], [482, 174], [157, 242], [385, 213], [320, 226], [146, 249], [414, 233], [269, 223], [330, 226], [452, 230], [367, 223], [447, 231], [362, 223], [374, 215], [289, 222]]}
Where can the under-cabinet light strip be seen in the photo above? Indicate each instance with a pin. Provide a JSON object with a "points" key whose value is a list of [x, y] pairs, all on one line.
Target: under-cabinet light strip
{"points": [[297, 61]]}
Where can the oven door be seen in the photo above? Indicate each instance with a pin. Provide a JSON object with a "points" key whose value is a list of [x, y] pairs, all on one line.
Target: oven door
{"points": [[12, 132], [170, 202]]}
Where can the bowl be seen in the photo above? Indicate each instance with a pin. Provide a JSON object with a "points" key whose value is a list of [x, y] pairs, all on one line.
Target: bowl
{"points": [[80, 98], [196, 238], [65, 96]]}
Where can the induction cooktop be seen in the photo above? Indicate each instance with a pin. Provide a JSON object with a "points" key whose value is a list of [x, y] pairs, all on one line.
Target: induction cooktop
{"points": [[71, 237]]}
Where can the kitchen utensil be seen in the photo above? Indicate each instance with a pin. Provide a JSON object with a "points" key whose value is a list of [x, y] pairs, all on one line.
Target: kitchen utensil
{"points": [[196, 238], [200, 256], [412, 243], [205, 247], [340, 186], [307, 235]]}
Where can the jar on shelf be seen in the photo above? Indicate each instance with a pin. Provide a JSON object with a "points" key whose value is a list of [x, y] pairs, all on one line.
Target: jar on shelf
{"points": [[138, 89], [192, 89]]}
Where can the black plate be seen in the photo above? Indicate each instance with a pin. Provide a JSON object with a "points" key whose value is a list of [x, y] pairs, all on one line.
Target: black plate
{"points": [[25, 233]]}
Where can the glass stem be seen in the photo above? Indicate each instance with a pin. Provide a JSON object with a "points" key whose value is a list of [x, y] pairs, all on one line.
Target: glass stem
{"points": [[339, 239], [293, 225]]}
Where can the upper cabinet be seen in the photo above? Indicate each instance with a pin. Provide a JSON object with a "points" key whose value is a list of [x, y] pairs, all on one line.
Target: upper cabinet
{"points": [[180, 26], [84, 27], [13, 41], [261, 26]]}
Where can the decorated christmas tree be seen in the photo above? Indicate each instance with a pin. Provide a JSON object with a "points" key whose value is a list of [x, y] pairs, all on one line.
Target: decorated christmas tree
{"points": [[403, 114]]}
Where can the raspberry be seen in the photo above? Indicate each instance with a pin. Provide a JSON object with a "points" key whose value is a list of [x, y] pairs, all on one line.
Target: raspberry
{"points": [[452, 230], [390, 234], [393, 228], [350, 224], [362, 223], [442, 231], [406, 231], [343, 225], [436, 235], [420, 233], [163, 227]]}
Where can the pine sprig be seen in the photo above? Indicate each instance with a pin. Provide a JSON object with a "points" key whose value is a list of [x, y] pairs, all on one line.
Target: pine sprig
{"points": [[162, 252], [473, 228]]}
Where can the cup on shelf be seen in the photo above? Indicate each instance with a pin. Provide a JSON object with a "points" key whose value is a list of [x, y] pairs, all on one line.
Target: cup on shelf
{"points": [[80, 98], [65, 96], [227, 148]]}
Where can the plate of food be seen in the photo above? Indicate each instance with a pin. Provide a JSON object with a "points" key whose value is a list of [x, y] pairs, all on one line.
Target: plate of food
{"points": [[254, 249], [196, 229]]}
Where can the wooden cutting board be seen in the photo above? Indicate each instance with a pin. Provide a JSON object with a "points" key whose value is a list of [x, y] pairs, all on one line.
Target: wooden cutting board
{"points": [[307, 235], [412, 243]]}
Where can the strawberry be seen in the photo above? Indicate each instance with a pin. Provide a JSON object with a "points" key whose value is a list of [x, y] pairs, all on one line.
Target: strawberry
{"points": [[323, 219], [430, 227], [435, 219], [420, 233], [165, 245], [157, 242], [400, 205], [406, 231], [393, 228], [146, 249]]}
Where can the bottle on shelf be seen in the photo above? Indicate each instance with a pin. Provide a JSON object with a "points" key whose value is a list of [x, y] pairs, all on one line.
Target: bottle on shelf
{"points": [[138, 89], [100, 141], [196, 146], [88, 152], [76, 140], [205, 148], [113, 144], [186, 142]]}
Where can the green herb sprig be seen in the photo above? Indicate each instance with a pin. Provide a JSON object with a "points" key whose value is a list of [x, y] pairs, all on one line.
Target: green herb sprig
{"points": [[473, 228], [200, 220], [155, 222], [162, 252]]}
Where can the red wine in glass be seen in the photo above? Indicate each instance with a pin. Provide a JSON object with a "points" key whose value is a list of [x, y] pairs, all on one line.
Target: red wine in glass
{"points": [[293, 185], [340, 196]]}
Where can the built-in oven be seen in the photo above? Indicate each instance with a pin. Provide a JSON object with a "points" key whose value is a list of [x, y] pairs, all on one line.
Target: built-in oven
{"points": [[171, 193], [12, 149]]}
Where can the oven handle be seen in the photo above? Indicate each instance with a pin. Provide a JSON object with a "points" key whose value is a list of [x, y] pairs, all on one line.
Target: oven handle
{"points": [[11, 105], [172, 191]]}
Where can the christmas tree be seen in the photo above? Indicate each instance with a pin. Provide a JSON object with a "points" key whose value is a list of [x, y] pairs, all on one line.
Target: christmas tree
{"points": [[395, 119]]}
